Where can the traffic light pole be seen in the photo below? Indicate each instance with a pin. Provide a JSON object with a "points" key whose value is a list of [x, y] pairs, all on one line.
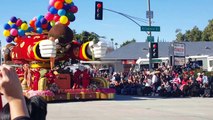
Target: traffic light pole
{"points": [[150, 34]]}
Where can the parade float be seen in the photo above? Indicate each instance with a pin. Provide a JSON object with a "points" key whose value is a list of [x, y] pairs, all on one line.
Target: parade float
{"points": [[39, 49]]}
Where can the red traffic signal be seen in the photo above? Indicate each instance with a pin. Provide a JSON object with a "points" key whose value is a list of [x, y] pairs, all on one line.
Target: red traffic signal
{"points": [[99, 5], [154, 50], [98, 10]]}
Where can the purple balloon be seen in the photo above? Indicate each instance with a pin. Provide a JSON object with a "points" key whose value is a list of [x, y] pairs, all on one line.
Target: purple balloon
{"points": [[43, 21], [13, 19], [66, 6], [9, 39]]}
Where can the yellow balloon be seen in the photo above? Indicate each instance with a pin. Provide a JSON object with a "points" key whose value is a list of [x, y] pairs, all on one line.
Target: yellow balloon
{"points": [[52, 23], [63, 19], [6, 33], [24, 26], [68, 1], [10, 23]]}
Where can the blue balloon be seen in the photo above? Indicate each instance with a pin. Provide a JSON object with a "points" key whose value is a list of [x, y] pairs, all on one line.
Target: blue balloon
{"points": [[72, 4], [40, 17], [53, 10], [30, 29], [14, 26], [39, 30], [38, 23], [61, 12], [21, 32], [9, 39], [7, 26]]}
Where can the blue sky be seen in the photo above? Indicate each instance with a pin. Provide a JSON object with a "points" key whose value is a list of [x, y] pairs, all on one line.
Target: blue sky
{"points": [[168, 14]]}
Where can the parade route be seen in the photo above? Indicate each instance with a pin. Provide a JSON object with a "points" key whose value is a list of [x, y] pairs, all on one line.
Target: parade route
{"points": [[133, 108]]}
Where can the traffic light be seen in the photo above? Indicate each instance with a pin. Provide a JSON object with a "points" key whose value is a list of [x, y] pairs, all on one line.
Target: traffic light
{"points": [[98, 10], [154, 50]]}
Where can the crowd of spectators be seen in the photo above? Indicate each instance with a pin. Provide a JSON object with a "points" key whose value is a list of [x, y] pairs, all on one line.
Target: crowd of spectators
{"points": [[165, 81]]}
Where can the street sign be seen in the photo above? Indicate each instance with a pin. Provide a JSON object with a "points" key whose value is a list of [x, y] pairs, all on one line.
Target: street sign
{"points": [[156, 60], [150, 39], [149, 14], [150, 28]]}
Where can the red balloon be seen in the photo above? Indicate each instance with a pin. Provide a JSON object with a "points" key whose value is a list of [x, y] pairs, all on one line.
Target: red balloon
{"points": [[68, 23], [49, 16], [44, 26], [56, 18]]}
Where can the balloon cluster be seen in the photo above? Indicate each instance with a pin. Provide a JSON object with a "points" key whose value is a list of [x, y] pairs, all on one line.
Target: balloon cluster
{"points": [[15, 28], [59, 11]]}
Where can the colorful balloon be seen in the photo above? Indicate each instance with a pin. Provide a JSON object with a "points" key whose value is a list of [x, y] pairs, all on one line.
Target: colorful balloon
{"points": [[6, 33], [10, 23], [32, 23], [63, 19], [53, 10], [39, 30], [61, 12], [13, 19], [38, 24], [21, 32], [49, 16], [68, 1], [43, 21], [40, 17], [74, 9], [19, 22], [52, 2], [52, 23], [58, 5], [24, 26], [66, 6], [70, 16], [7, 26], [9, 39], [14, 32], [56, 18], [14, 26]]}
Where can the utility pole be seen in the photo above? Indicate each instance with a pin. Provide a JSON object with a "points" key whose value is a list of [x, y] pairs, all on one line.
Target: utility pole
{"points": [[150, 34]]}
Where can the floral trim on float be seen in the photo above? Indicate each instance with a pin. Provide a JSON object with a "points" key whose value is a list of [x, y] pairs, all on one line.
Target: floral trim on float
{"points": [[38, 50]]}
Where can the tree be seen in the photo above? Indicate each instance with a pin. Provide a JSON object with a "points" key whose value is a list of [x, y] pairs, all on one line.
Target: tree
{"points": [[86, 36], [179, 37], [127, 42], [190, 35], [196, 34], [116, 45], [112, 40], [208, 32]]}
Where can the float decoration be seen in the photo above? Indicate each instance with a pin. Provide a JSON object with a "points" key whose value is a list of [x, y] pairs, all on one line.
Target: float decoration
{"points": [[38, 47]]}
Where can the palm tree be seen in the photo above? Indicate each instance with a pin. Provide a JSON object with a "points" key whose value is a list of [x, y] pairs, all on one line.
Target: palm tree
{"points": [[112, 42], [116, 44]]}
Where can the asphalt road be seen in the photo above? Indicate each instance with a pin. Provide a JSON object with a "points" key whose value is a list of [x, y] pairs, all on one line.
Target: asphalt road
{"points": [[134, 108]]}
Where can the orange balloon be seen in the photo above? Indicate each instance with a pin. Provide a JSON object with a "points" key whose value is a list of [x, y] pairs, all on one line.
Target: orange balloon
{"points": [[58, 5], [32, 23], [17, 39]]}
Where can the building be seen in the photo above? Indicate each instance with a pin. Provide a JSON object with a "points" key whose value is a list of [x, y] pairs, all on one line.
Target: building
{"points": [[127, 55]]}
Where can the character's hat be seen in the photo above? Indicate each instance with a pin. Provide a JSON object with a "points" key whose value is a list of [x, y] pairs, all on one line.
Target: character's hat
{"points": [[61, 32]]}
